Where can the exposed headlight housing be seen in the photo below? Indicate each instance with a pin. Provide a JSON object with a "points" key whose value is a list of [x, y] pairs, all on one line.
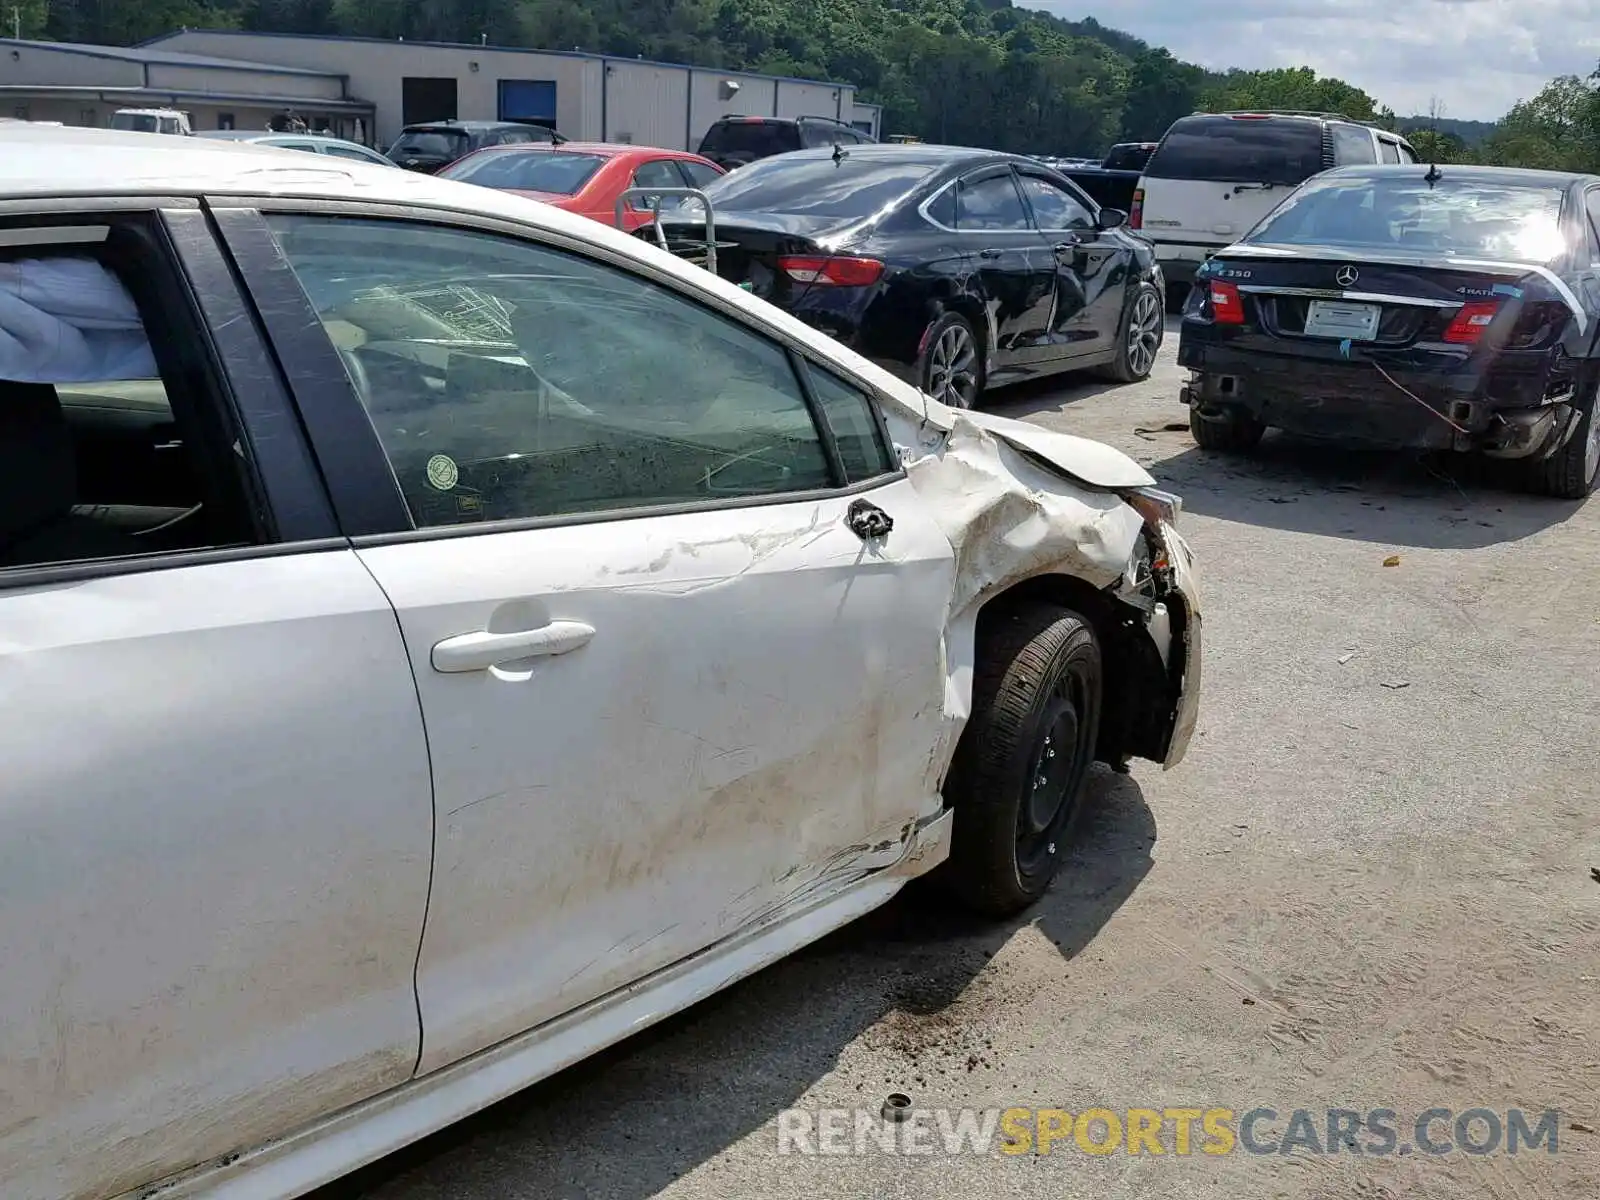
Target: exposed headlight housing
{"points": [[1155, 506]]}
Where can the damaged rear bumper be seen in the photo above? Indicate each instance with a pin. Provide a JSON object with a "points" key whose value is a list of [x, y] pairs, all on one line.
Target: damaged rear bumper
{"points": [[1519, 406]]}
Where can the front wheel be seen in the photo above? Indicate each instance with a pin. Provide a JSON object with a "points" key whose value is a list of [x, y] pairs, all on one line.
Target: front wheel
{"points": [[1020, 771], [1570, 473]]}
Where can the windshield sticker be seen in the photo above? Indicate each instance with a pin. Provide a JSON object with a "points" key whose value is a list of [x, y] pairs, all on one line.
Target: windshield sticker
{"points": [[442, 472]]}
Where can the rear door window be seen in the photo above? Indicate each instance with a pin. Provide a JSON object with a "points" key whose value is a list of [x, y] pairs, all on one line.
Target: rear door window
{"points": [[1222, 149], [756, 138], [990, 203], [818, 135], [698, 174], [1390, 151], [1353, 144]]}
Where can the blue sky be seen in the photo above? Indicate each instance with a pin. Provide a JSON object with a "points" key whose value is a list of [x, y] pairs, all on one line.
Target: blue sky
{"points": [[1477, 56]]}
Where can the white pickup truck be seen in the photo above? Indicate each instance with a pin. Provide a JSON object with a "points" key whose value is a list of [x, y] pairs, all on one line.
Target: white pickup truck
{"points": [[152, 120]]}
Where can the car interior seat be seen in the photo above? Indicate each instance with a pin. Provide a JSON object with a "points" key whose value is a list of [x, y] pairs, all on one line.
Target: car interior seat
{"points": [[38, 485]]}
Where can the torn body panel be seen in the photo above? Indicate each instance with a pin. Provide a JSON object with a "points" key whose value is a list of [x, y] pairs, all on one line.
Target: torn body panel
{"points": [[1031, 510]]}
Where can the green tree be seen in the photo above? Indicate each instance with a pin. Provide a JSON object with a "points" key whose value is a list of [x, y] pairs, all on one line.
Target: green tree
{"points": [[1292, 88], [1558, 129]]}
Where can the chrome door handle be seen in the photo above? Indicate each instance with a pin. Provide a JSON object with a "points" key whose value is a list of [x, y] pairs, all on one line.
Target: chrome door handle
{"points": [[481, 650]]}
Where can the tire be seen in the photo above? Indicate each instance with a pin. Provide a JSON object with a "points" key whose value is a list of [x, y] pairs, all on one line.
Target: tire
{"points": [[1019, 775], [950, 374], [1139, 337], [1231, 434], [1569, 474]]}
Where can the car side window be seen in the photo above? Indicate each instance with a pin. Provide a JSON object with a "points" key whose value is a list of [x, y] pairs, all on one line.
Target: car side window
{"points": [[1353, 144], [114, 440], [510, 380], [990, 203], [941, 210], [1054, 208], [345, 152], [1407, 154], [657, 173], [1390, 151], [1592, 224], [818, 134], [854, 426], [698, 174]]}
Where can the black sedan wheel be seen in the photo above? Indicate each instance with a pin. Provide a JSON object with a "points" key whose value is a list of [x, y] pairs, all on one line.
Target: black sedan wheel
{"points": [[1018, 780], [952, 365], [1570, 474]]}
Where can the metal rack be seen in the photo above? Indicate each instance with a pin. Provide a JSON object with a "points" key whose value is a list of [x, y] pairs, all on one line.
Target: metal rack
{"points": [[701, 251]]}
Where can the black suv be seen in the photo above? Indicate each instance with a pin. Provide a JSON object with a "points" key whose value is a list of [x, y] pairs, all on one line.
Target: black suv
{"points": [[430, 146], [737, 141]]}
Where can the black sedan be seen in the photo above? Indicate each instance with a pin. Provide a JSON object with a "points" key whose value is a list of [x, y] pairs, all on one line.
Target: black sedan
{"points": [[958, 269], [1430, 308]]}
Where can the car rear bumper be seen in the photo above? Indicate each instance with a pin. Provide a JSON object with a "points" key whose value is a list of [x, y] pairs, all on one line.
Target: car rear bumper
{"points": [[1180, 261], [1505, 414]]}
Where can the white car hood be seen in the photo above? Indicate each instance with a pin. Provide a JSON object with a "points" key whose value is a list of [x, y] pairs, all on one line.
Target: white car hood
{"points": [[1092, 462]]}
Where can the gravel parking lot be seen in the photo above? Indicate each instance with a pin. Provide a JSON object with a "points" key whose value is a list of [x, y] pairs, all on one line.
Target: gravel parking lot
{"points": [[1369, 886]]}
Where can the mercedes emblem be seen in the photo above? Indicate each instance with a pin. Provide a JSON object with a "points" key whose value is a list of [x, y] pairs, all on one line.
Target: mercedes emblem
{"points": [[1346, 276]]}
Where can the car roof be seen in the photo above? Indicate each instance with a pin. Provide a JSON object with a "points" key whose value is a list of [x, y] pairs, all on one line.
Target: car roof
{"points": [[119, 163], [602, 149], [1527, 177], [464, 126], [919, 153]]}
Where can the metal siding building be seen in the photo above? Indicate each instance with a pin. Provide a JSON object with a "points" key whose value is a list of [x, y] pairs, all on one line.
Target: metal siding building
{"points": [[597, 97], [84, 85]]}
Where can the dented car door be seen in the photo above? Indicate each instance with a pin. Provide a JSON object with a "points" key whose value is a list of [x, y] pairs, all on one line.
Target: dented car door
{"points": [[673, 611]]}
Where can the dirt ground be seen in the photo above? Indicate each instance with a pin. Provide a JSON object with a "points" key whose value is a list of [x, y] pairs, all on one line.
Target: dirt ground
{"points": [[1369, 886]]}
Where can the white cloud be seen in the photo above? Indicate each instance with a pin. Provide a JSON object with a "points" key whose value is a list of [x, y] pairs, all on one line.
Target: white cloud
{"points": [[1478, 57]]}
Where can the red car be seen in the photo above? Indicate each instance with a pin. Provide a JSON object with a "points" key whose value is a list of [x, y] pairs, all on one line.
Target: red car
{"points": [[583, 177]]}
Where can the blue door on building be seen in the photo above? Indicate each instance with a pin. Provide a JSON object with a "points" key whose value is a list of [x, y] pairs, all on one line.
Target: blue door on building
{"points": [[531, 100]]}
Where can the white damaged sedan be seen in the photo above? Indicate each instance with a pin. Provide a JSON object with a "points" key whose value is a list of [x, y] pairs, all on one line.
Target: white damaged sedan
{"points": [[444, 636]]}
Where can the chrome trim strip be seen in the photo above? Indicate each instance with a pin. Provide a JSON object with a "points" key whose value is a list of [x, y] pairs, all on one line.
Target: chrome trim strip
{"points": [[1357, 297]]}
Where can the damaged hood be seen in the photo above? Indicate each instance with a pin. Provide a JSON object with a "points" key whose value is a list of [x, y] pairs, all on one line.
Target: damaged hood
{"points": [[1080, 459], [1091, 462]]}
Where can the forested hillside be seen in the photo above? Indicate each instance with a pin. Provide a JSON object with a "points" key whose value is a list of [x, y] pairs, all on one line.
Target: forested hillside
{"points": [[966, 71]]}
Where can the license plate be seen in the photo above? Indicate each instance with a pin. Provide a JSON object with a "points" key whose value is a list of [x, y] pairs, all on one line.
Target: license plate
{"points": [[1335, 319]]}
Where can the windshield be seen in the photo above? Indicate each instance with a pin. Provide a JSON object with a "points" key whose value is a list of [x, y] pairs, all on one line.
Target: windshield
{"points": [[1216, 149], [430, 143], [817, 187], [528, 170], [759, 139], [1467, 218], [137, 122]]}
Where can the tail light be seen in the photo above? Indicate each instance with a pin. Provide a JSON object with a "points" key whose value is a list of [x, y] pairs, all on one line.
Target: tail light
{"points": [[832, 272], [1540, 324], [1470, 322], [1227, 306], [1136, 213]]}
